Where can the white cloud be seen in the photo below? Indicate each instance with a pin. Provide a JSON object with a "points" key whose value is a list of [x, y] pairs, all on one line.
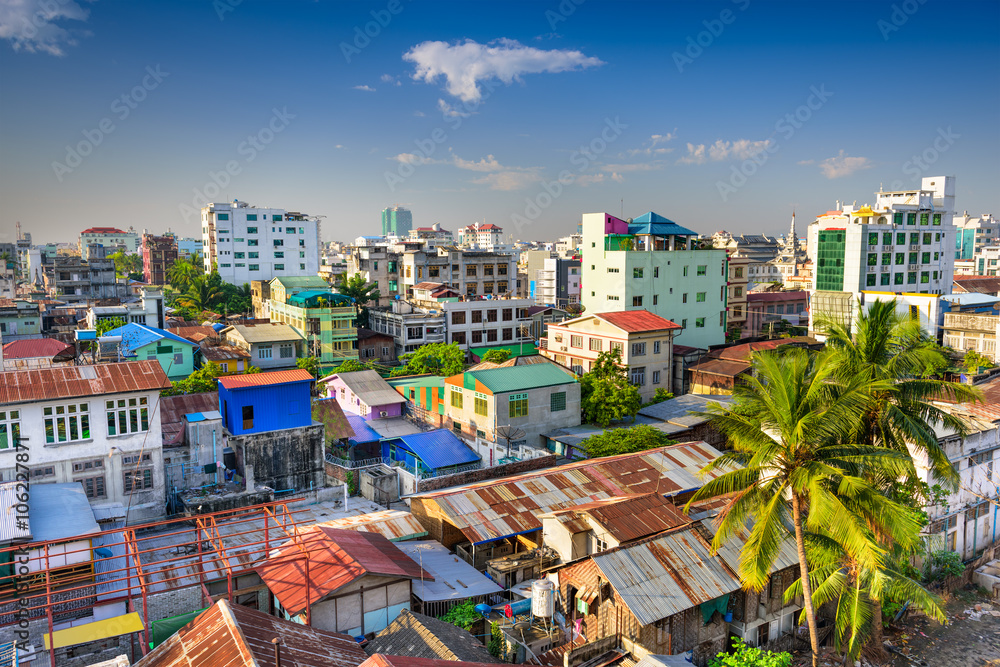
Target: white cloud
{"points": [[411, 158], [488, 163], [843, 165], [29, 25], [741, 149], [617, 178], [419, 114], [449, 111], [367, 89], [341, 146], [589, 179], [467, 64], [509, 180], [388, 78]]}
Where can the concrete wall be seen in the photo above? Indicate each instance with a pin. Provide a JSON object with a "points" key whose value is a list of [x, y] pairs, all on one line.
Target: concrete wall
{"points": [[287, 459]]}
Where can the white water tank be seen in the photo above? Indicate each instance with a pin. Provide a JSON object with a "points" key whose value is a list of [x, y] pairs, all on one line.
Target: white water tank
{"points": [[542, 598]]}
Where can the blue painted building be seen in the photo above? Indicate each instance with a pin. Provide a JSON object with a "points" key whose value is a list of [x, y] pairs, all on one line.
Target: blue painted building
{"points": [[428, 454], [175, 354], [266, 401]]}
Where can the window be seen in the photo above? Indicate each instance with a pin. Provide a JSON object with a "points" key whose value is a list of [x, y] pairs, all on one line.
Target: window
{"points": [[656, 347], [127, 415], [480, 406], [703, 269], [596, 344], [491, 315], [557, 401], [93, 487], [925, 258], [289, 230], [255, 267], [637, 272], [886, 238], [738, 292], [884, 279], [137, 480], [611, 270], [700, 297], [656, 377], [10, 429], [508, 334], [684, 297], [638, 375], [279, 254], [576, 341], [911, 218], [286, 350], [927, 238], [253, 242], [458, 317], [685, 271], [518, 405], [684, 324], [886, 258], [457, 428], [911, 278], [616, 346], [638, 349], [937, 220], [222, 216], [67, 423], [656, 271], [252, 217], [276, 218], [901, 236], [897, 279], [278, 243], [872, 259], [239, 255], [739, 272], [656, 298], [508, 314], [637, 301], [699, 323], [925, 218], [264, 351], [47, 471], [870, 280], [872, 238], [279, 267], [900, 258], [925, 277], [456, 399]]}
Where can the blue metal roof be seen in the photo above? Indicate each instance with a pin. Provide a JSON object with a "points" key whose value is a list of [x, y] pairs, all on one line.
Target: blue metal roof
{"points": [[438, 449], [653, 223], [135, 336], [362, 431]]}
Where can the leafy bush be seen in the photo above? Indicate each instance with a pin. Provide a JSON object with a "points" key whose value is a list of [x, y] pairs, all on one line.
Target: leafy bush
{"points": [[463, 615], [747, 656], [944, 564], [660, 396], [625, 441]]}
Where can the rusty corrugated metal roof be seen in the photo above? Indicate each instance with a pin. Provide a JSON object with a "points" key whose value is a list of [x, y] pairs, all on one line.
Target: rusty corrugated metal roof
{"points": [[46, 384], [380, 660], [629, 518], [229, 635], [500, 508], [336, 558], [666, 575], [223, 353], [173, 409]]}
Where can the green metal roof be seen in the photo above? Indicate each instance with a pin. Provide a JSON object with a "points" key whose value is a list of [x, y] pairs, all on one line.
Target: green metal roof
{"points": [[521, 378], [526, 350], [417, 381], [302, 281]]}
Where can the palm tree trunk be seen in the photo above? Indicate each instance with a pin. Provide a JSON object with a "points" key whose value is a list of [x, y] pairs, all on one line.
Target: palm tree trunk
{"points": [[800, 547]]}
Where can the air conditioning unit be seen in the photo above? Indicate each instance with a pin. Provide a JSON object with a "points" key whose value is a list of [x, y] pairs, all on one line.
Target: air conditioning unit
{"points": [[383, 413]]}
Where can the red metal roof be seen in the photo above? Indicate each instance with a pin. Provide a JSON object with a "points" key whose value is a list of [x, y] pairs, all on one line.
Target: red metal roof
{"points": [[37, 347], [336, 558], [265, 379], [230, 635], [103, 230], [46, 384], [633, 516], [637, 321], [379, 660], [743, 352]]}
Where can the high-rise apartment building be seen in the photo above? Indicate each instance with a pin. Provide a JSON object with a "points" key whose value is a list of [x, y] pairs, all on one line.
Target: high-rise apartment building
{"points": [[397, 221], [653, 263], [249, 243], [972, 234], [903, 245], [108, 237]]}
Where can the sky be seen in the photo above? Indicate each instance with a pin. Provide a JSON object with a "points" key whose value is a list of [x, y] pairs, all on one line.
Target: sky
{"points": [[726, 114]]}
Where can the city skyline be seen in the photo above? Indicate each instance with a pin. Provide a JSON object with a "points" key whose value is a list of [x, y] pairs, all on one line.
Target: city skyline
{"points": [[727, 115]]}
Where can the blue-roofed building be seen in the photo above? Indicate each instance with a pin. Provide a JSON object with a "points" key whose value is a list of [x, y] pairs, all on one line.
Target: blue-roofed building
{"points": [[653, 263], [428, 454], [140, 342]]}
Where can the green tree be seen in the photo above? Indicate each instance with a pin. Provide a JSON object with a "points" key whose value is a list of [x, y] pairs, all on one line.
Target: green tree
{"points": [[127, 265], [973, 361], [358, 289], [747, 656], [463, 615], [351, 366], [251, 370], [204, 294], [625, 441], [202, 380], [310, 364], [791, 466], [183, 272], [107, 324], [497, 356], [606, 395], [436, 359], [660, 396]]}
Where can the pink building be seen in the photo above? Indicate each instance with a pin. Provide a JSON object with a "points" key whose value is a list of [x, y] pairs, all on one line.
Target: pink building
{"points": [[364, 393]]}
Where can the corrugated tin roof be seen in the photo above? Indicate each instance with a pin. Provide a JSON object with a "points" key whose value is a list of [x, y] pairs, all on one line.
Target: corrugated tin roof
{"points": [[231, 635], [638, 321], [454, 579], [393, 525], [273, 332], [223, 353], [362, 431], [265, 379], [719, 367], [439, 448], [37, 347], [632, 517], [730, 551], [520, 378], [419, 636], [680, 408], [136, 335], [380, 660], [501, 508], [195, 333], [173, 409], [60, 511], [336, 558], [369, 387], [10, 528], [302, 281], [46, 384], [666, 575], [652, 223]]}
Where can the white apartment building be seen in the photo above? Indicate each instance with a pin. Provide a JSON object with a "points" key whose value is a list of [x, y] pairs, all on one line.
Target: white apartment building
{"points": [[483, 236], [410, 325], [477, 322], [472, 273], [972, 234], [986, 261], [96, 425], [109, 237], [251, 243]]}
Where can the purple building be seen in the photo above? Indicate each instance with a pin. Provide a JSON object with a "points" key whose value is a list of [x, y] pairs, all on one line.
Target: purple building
{"points": [[364, 393]]}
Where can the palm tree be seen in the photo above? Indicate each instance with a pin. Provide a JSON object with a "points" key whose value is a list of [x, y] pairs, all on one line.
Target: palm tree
{"points": [[183, 272], [790, 471], [202, 295]]}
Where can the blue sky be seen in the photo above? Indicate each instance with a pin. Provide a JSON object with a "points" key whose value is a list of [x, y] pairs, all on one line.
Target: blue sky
{"points": [[719, 115]]}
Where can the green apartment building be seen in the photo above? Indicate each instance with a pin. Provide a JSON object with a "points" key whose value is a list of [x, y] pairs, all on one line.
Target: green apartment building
{"points": [[652, 263], [326, 320], [19, 318]]}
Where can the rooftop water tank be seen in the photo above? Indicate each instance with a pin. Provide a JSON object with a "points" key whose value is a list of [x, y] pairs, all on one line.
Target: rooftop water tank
{"points": [[542, 598]]}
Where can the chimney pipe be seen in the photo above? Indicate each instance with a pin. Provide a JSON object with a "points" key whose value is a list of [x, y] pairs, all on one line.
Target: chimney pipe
{"points": [[277, 651]]}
